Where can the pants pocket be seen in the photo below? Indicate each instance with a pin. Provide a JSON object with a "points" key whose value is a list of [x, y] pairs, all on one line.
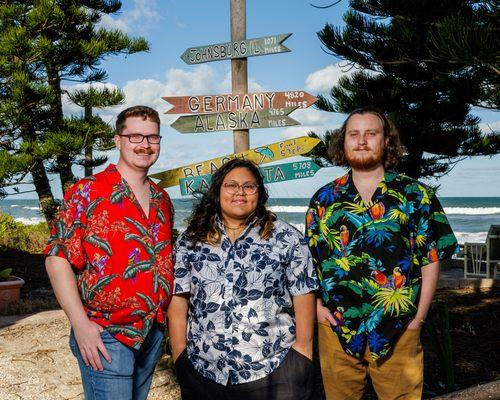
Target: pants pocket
{"points": [[180, 358], [301, 357]]}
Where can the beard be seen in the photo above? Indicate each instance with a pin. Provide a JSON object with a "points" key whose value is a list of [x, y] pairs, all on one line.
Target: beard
{"points": [[364, 161]]}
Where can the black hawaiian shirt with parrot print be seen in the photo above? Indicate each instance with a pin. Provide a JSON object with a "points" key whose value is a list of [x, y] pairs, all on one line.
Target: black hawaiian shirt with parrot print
{"points": [[369, 256]]}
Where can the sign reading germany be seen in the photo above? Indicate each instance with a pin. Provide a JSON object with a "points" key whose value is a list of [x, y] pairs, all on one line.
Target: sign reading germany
{"points": [[239, 102], [241, 49]]}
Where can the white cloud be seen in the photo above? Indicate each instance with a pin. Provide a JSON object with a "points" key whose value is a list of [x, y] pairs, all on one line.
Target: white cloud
{"points": [[138, 19], [195, 81], [323, 79], [488, 127], [70, 108], [253, 85]]}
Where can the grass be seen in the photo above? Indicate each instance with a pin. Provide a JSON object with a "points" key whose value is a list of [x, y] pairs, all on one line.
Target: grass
{"points": [[26, 238]]}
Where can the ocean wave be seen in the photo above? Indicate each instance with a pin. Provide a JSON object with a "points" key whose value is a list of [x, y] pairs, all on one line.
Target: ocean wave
{"points": [[447, 210], [472, 210], [15, 205], [31, 208], [472, 237], [29, 221], [288, 209]]}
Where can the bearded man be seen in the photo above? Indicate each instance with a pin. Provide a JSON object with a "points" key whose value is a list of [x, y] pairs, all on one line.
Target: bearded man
{"points": [[377, 238]]}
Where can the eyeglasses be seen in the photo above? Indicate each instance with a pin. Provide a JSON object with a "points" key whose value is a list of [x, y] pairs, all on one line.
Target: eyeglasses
{"points": [[139, 138], [232, 187]]}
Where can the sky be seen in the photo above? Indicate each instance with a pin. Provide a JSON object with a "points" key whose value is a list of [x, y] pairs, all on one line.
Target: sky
{"points": [[171, 26]]}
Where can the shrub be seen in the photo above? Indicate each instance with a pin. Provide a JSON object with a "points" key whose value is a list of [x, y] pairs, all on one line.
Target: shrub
{"points": [[17, 236]]}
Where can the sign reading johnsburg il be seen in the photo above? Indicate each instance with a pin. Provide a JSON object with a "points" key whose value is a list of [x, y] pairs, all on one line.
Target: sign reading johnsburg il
{"points": [[240, 49]]}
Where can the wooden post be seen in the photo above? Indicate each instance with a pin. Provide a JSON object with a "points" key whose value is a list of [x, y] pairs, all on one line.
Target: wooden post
{"points": [[239, 72], [88, 147]]}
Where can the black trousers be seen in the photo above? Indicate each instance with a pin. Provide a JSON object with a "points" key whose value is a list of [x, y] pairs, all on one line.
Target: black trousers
{"points": [[292, 380]]}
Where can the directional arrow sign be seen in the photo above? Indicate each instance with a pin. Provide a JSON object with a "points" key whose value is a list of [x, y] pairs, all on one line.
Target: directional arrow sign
{"points": [[241, 49], [260, 155], [239, 102], [275, 118], [271, 174]]}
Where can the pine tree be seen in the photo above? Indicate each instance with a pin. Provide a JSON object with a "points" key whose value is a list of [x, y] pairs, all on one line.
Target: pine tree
{"points": [[471, 41], [44, 43], [429, 101], [98, 135]]}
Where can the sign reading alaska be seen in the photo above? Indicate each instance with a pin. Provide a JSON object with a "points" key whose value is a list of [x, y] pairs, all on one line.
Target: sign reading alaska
{"points": [[253, 119]]}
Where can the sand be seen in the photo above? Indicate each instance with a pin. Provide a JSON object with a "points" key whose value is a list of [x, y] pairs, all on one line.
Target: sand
{"points": [[36, 362]]}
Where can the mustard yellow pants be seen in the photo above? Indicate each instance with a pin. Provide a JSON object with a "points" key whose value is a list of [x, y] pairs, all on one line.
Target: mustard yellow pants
{"points": [[398, 377]]}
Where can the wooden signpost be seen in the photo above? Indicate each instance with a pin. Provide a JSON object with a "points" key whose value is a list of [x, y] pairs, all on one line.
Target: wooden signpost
{"points": [[239, 102], [260, 155], [273, 118], [240, 111], [271, 174], [236, 49]]}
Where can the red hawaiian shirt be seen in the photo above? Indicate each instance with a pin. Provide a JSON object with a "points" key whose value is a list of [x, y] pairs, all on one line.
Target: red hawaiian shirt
{"points": [[122, 258]]}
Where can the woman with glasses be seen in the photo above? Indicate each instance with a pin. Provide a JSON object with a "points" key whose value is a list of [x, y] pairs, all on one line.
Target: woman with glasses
{"points": [[241, 320]]}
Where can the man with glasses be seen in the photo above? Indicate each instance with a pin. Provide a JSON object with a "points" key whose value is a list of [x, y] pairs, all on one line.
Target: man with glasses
{"points": [[114, 233]]}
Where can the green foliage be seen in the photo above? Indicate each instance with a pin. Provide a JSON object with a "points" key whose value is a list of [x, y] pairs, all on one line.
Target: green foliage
{"points": [[429, 100], [438, 328], [470, 40], [17, 236], [5, 273], [44, 43]]}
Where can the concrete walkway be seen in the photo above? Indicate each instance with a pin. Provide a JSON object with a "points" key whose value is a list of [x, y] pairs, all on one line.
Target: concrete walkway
{"points": [[453, 278]]}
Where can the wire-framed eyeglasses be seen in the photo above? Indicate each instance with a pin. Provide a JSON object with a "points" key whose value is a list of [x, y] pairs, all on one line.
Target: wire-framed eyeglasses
{"points": [[139, 138], [233, 187]]}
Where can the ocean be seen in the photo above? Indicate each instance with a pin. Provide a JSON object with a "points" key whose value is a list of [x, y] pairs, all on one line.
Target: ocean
{"points": [[470, 217]]}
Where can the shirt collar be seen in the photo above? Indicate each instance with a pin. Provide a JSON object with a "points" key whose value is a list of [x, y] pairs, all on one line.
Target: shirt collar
{"points": [[220, 225]]}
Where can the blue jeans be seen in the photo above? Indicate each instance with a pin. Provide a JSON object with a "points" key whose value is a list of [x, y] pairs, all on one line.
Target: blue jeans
{"points": [[128, 376]]}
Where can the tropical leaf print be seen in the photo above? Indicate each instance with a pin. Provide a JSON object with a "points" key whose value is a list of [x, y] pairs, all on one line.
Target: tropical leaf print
{"points": [[99, 285], [100, 243], [120, 192], [142, 230], [92, 206], [132, 270], [401, 229], [90, 232], [149, 301], [394, 301]]}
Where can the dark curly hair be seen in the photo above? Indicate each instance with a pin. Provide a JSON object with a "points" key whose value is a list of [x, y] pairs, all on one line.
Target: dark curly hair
{"points": [[392, 153], [202, 226]]}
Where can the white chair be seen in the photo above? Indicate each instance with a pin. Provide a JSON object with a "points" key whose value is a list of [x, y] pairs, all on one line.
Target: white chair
{"points": [[475, 264], [493, 250]]}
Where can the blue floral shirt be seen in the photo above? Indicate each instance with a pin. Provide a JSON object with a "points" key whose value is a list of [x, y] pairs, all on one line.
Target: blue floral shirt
{"points": [[241, 322]]}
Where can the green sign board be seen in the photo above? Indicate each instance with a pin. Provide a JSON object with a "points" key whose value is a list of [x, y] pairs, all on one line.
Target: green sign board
{"points": [[226, 121], [260, 155], [240, 49], [271, 174]]}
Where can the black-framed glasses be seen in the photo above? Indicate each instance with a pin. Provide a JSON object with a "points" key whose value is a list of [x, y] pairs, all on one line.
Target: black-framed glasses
{"points": [[139, 138], [232, 187]]}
